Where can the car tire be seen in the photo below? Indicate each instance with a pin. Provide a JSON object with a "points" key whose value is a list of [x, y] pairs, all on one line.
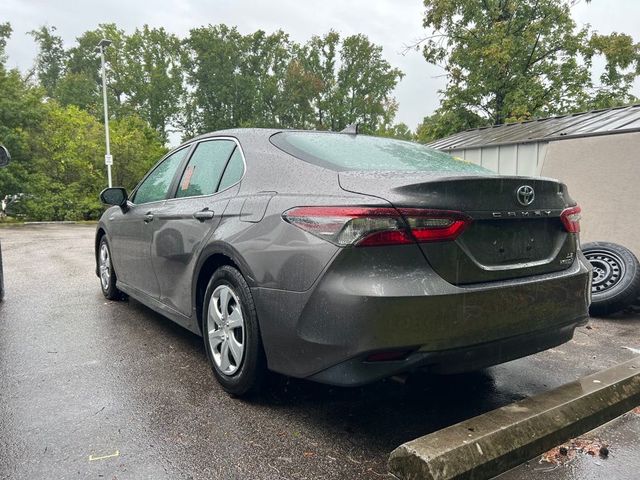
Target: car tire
{"points": [[106, 272], [616, 277], [231, 333]]}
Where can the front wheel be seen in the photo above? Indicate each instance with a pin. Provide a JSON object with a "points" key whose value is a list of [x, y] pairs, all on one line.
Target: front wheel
{"points": [[231, 334], [107, 275]]}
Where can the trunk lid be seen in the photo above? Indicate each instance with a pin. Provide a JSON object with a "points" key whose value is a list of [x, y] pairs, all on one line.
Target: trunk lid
{"points": [[505, 240]]}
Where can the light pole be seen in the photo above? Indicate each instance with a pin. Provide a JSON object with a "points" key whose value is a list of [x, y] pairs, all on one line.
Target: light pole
{"points": [[108, 159]]}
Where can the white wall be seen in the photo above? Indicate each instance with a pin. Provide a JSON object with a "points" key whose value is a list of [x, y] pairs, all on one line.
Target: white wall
{"points": [[524, 159], [603, 176]]}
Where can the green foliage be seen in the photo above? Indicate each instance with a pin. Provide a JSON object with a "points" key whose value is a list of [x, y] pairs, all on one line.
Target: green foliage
{"points": [[153, 78], [81, 90], [219, 78], [136, 147], [364, 81], [269, 81], [215, 78], [65, 170], [5, 34], [447, 122], [511, 60], [51, 59], [622, 57], [318, 60], [400, 131], [57, 150], [21, 113]]}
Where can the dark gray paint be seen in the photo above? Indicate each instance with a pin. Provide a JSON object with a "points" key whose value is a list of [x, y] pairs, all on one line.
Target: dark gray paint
{"points": [[319, 305]]}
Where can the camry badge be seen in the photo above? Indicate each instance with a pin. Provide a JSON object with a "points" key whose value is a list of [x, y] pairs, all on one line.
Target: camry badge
{"points": [[525, 195]]}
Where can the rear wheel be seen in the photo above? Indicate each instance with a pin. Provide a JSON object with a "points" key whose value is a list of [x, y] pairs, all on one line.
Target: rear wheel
{"points": [[231, 334], [107, 275], [616, 277]]}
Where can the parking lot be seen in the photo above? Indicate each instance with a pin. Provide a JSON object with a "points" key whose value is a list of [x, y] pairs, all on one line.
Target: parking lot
{"points": [[96, 389]]}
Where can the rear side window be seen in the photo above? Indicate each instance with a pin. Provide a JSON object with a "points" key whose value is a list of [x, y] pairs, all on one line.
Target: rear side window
{"points": [[340, 152], [202, 175], [233, 172], [156, 186]]}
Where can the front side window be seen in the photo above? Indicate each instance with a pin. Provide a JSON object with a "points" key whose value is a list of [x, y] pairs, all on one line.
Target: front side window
{"points": [[156, 186], [202, 175], [340, 152]]}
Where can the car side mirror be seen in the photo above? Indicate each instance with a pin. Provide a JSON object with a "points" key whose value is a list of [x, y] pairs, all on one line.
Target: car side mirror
{"points": [[5, 158], [115, 196]]}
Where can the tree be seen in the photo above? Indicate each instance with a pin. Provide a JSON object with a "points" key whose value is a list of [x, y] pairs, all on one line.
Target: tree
{"points": [[5, 34], [21, 112], [81, 90], [136, 147], [84, 65], [266, 80], [51, 59], [622, 57], [65, 175], [57, 159], [365, 81], [318, 60], [511, 60], [65, 170], [399, 130], [221, 96], [153, 77], [443, 123], [265, 67]]}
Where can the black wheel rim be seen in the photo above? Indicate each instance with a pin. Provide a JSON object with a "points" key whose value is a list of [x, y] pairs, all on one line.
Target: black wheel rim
{"points": [[608, 270]]}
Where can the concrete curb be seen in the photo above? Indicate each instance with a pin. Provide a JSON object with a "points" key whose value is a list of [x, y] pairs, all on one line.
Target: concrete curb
{"points": [[492, 443]]}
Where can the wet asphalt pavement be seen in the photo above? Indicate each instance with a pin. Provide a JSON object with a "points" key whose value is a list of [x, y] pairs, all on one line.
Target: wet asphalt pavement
{"points": [[583, 459], [98, 389]]}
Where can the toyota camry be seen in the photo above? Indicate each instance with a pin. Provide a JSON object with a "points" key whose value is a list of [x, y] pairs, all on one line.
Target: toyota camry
{"points": [[344, 258]]}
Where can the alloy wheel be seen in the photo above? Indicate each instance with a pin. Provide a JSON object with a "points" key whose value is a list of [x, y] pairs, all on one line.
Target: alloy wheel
{"points": [[105, 266], [226, 330]]}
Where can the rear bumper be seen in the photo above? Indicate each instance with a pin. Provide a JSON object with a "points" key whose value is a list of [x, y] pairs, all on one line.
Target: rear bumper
{"points": [[357, 308], [357, 371]]}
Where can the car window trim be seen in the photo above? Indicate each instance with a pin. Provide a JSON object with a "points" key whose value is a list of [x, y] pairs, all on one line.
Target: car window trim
{"points": [[188, 147], [224, 170], [183, 168]]}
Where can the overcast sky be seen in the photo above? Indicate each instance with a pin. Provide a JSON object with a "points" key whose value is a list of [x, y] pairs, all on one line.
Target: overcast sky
{"points": [[389, 23]]}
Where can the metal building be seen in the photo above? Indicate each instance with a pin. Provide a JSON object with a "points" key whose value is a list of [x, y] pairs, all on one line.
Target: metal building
{"points": [[597, 154], [520, 148]]}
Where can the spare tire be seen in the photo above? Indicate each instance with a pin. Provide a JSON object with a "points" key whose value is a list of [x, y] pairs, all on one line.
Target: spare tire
{"points": [[616, 277]]}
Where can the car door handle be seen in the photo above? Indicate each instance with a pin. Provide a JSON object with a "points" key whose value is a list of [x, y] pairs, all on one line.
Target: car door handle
{"points": [[203, 215], [148, 217]]}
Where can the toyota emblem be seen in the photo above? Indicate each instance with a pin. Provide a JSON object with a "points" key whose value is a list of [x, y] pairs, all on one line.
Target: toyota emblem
{"points": [[525, 195]]}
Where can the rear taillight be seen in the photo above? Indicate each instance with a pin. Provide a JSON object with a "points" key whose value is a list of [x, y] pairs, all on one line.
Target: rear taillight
{"points": [[435, 225], [372, 226], [571, 219]]}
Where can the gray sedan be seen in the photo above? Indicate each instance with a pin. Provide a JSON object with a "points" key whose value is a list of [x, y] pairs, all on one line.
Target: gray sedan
{"points": [[345, 258]]}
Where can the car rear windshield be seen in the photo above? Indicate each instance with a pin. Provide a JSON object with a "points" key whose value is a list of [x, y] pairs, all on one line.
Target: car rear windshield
{"points": [[342, 151]]}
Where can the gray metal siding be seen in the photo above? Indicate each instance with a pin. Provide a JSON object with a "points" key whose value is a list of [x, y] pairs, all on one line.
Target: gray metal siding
{"points": [[525, 159], [596, 122]]}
